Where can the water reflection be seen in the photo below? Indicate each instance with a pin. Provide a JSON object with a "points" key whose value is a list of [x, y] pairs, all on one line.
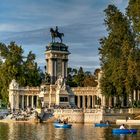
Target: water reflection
{"points": [[4, 131], [28, 131]]}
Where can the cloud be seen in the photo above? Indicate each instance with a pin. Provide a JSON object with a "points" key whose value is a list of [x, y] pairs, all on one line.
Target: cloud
{"points": [[27, 23]]}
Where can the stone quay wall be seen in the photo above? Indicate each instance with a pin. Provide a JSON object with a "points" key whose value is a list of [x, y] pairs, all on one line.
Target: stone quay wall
{"points": [[94, 115], [79, 115]]}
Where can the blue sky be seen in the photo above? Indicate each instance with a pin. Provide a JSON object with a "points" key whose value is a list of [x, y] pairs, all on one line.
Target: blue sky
{"points": [[27, 22]]}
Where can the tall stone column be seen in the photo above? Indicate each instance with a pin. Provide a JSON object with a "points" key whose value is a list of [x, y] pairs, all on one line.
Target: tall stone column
{"points": [[36, 101], [32, 101], [89, 103], [55, 68], [63, 68], [83, 101], [27, 101], [103, 101], [52, 70], [93, 101], [134, 95], [66, 66], [22, 101], [78, 101]]}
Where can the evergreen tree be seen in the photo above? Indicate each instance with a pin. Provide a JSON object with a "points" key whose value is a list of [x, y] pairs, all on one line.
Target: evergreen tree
{"points": [[32, 72], [70, 77], [133, 12], [79, 78], [114, 52]]}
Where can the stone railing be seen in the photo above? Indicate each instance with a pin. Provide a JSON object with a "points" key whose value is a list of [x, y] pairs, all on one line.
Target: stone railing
{"points": [[29, 88], [67, 110], [122, 111], [85, 90], [98, 110]]}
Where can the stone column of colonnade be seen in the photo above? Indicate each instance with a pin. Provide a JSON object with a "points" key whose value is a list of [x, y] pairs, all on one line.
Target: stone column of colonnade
{"points": [[51, 70], [83, 98], [103, 101], [32, 106], [64, 67], [22, 101], [28, 101], [89, 103], [136, 95], [78, 101], [93, 101], [36, 101]]}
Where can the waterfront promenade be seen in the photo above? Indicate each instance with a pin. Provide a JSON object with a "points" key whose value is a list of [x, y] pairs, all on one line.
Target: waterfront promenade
{"points": [[75, 115]]}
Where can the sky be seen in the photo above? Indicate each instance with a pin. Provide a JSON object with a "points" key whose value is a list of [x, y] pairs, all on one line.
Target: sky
{"points": [[27, 22]]}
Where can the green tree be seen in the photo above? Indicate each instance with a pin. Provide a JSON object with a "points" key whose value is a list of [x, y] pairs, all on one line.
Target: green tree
{"points": [[133, 12], [133, 79], [89, 81], [32, 72], [13, 65], [79, 78], [70, 77], [10, 68], [114, 52]]}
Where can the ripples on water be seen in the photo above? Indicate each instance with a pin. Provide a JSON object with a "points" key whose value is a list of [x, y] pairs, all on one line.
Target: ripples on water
{"points": [[28, 131]]}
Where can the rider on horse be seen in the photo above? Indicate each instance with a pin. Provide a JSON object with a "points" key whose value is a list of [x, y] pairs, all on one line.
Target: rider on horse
{"points": [[55, 34]]}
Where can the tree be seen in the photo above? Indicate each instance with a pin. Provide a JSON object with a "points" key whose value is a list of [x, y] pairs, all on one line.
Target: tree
{"points": [[10, 67], [70, 77], [32, 72], [114, 52], [133, 12], [13, 65], [89, 81], [79, 78]]}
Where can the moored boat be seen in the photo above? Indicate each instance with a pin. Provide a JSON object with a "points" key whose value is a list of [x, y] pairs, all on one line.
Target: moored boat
{"points": [[124, 131], [62, 125], [101, 125]]}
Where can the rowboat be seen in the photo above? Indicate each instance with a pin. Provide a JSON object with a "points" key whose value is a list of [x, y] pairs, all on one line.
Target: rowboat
{"points": [[62, 125], [124, 131], [101, 125]]}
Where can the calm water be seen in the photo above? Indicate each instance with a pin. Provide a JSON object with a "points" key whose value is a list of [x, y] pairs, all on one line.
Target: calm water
{"points": [[26, 131]]}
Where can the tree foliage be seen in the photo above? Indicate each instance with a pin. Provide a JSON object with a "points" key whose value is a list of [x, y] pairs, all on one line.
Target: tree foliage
{"points": [[116, 53], [13, 65], [133, 12], [80, 78]]}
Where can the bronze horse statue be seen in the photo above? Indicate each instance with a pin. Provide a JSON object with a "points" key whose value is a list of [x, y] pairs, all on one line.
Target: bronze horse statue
{"points": [[55, 33]]}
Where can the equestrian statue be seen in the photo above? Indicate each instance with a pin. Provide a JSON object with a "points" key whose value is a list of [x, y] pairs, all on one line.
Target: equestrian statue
{"points": [[55, 33]]}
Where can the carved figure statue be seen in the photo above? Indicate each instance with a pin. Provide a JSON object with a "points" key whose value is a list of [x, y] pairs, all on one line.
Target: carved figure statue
{"points": [[61, 83], [13, 84], [55, 33]]}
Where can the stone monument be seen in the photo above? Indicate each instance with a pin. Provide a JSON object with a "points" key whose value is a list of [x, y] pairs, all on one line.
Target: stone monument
{"points": [[56, 67]]}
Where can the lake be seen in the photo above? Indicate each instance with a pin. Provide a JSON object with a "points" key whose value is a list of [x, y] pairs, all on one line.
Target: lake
{"points": [[46, 131]]}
